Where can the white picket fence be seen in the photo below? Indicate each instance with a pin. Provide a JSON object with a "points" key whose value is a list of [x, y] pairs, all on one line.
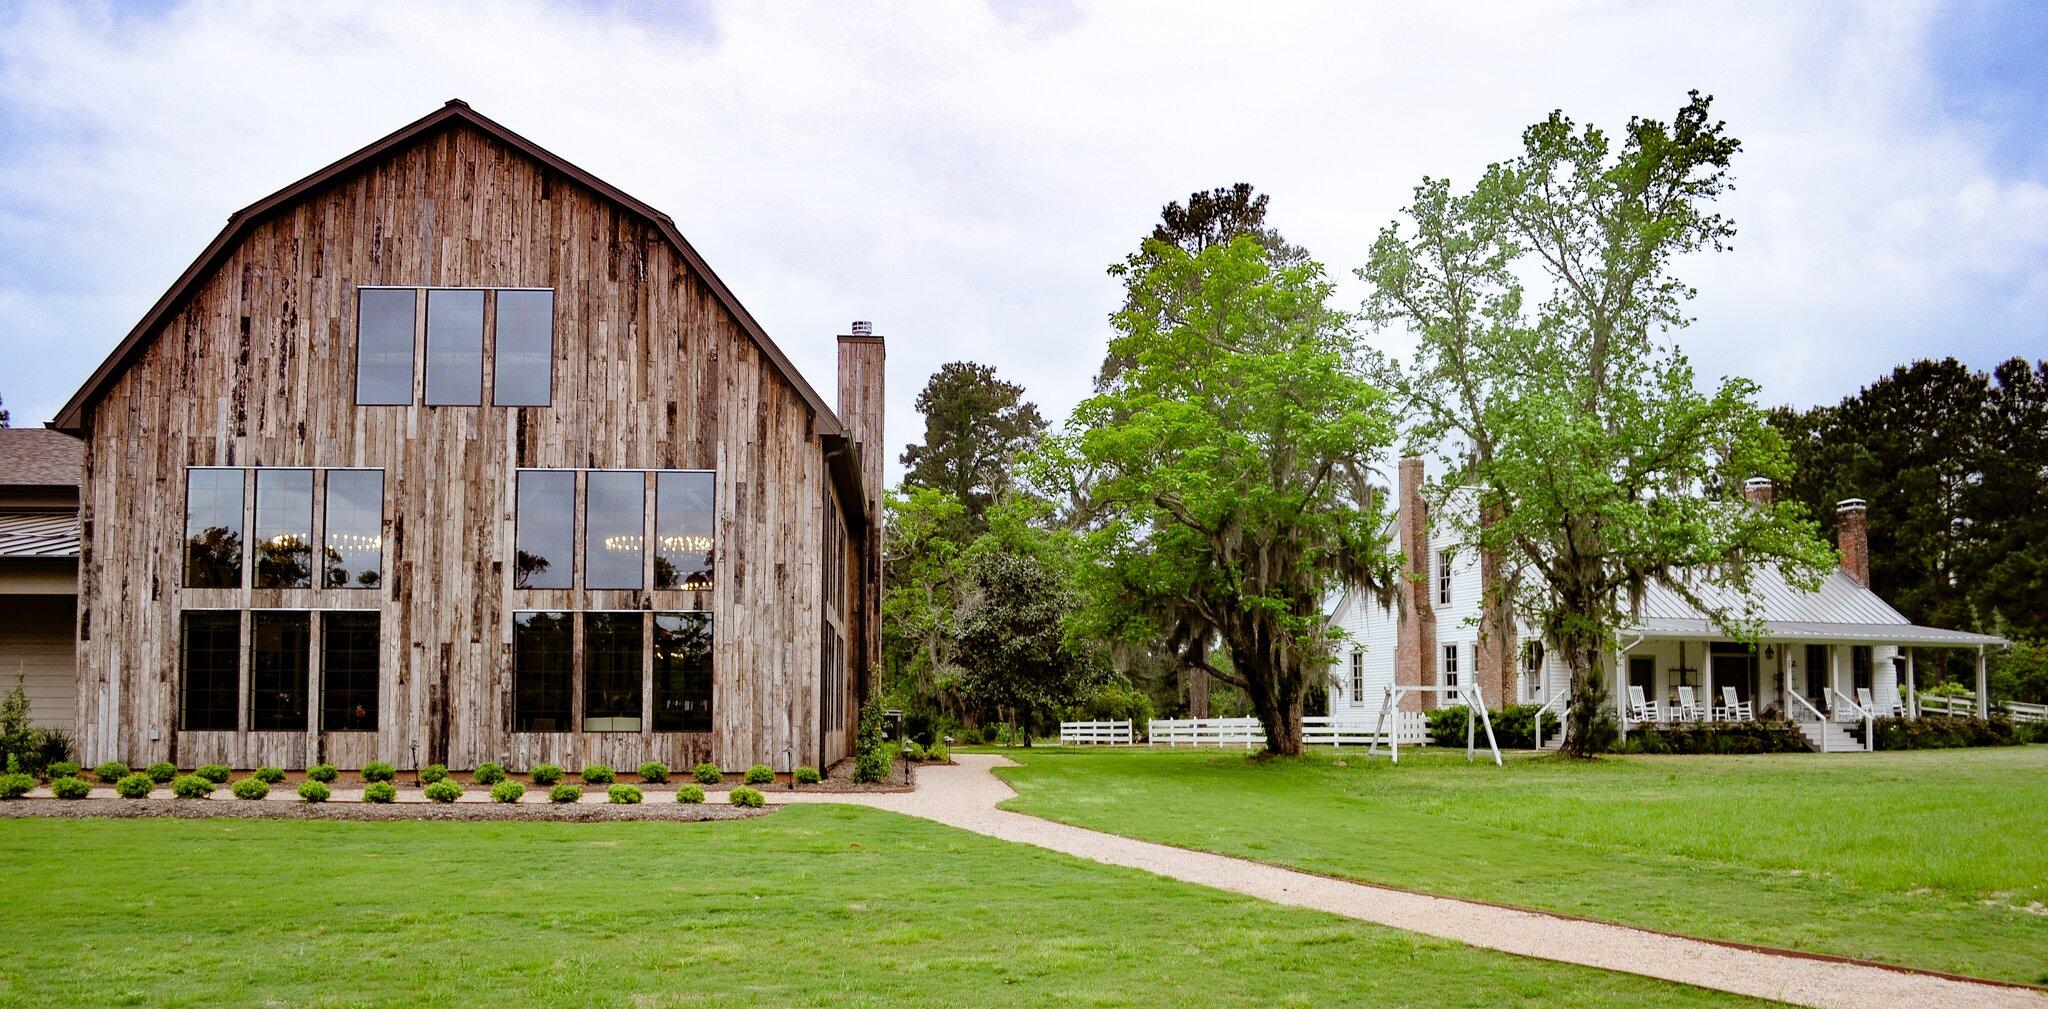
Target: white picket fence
{"points": [[1966, 704], [1316, 730], [1096, 733]]}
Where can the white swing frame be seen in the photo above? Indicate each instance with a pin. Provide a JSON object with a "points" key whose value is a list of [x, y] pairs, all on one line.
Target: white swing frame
{"points": [[1475, 717]]}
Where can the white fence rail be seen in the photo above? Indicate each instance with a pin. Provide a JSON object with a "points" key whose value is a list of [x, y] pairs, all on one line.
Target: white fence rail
{"points": [[1316, 730], [1966, 704], [1096, 733]]}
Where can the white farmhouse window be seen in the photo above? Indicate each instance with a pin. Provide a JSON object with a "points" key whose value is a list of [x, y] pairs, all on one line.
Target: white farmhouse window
{"points": [[1450, 665], [1443, 577], [1357, 677]]}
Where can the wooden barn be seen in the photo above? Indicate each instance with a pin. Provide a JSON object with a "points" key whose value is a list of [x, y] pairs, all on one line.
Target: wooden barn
{"points": [[452, 452]]}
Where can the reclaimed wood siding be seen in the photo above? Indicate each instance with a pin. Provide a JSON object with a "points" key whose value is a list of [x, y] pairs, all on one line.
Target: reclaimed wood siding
{"points": [[650, 372]]}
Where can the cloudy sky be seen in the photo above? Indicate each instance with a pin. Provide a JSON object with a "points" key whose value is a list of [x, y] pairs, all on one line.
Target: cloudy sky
{"points": [[962, 173]]}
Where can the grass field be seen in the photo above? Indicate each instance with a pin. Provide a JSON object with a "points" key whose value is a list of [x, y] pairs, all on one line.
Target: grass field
{"points": [[1933, 859], [812, 906]]}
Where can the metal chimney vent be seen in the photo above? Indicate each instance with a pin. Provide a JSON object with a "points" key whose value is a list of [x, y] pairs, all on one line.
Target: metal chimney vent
{"points": [[863, 329]]}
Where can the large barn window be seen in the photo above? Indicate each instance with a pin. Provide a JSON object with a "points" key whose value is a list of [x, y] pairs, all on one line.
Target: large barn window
{"points": [[684, 521], [284, 528], [524, 350], [682, 672], [210, 646], [213, 529], [353, 555], [384, 327], [544, 540], [611, 672], [615, 506], [348, 670], [542, 670], [280, 654], [455, 348]]}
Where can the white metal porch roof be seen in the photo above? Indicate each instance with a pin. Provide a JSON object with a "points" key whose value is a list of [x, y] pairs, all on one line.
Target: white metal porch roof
{"points": [[1841, 610]]}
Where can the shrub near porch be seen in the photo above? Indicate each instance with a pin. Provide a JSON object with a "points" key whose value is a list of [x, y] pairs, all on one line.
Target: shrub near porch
{"points": [[1929, 859]]}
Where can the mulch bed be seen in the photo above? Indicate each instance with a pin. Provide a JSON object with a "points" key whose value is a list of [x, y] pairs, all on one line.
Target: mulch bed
{"points": [[199, 809]]}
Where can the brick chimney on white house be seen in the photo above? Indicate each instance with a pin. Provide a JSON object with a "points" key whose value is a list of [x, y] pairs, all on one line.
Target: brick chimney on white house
{"points": [[1415, 619], [1758, 490], [1852, 537]]}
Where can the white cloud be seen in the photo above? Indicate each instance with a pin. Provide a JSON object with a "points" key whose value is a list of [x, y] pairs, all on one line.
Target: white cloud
{"points": [[962, 175]]}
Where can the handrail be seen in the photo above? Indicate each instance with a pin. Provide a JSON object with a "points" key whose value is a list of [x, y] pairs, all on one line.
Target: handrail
{"points": [[1562, 713], [1869, 730], [1817, 716]]}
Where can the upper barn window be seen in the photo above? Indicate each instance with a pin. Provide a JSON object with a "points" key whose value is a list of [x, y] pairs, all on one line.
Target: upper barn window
{"points": [[514, 327], [384, 326], [455, 348], [523, 373]]}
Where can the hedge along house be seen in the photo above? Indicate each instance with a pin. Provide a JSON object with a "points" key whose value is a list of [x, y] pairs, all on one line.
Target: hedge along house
{"points": [[452, 452], [1817, 649]]}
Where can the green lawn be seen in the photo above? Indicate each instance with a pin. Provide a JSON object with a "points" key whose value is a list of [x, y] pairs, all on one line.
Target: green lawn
{"points": [[812, 906], [1933, 859]]}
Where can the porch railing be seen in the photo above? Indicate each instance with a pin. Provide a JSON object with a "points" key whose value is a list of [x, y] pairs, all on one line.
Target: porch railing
{"points": [[1966, 705], [1845, 701], [1817, 716]]}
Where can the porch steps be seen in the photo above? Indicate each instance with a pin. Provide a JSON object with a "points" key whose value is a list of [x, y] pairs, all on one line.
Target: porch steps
{"points": [[1838, 735]]}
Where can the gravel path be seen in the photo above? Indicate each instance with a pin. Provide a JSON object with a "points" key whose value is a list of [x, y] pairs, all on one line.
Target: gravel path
{"points": [[965, 795]]}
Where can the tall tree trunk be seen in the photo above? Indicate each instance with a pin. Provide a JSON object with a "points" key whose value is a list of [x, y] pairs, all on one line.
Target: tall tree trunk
{"points": [[1198, 692], [1276, 699], [1590, 728]]}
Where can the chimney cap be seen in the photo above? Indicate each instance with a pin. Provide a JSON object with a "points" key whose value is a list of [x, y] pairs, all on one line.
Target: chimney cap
{"points": [[1756, 482], [863, 328], [1854, 504]]}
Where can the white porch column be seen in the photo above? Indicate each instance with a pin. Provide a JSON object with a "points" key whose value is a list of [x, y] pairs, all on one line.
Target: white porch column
{"points": [[1912, 687], [1621, 691], [1707, 676], [1983, 691]]}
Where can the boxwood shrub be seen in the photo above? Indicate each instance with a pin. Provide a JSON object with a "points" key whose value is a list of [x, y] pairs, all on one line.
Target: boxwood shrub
{"points": [[748, 797], [623, 794], [507, 791], [760, 774], [269, 775], [251, 788], [110, 772], [565, 793], [490, 772], [1717, 737], [654, 772], [192, 786], [380, 792], [1941, 732], [433, 773], [547, 774], [70, 788], [162, 772], [444, 790], [16, 785], [690, 793], [60, 769], [323, 773], [708, 774], [135, 786], [807, 775], [216, 773], [599, 774], [377, 770], [314, 791]]}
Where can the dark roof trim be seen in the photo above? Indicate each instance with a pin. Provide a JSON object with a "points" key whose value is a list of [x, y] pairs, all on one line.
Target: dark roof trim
{"points": [[842, 457], [72, 417]]}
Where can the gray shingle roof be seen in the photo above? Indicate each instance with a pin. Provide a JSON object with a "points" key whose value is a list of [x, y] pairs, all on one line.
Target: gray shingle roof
{"points": [[40, 457]]}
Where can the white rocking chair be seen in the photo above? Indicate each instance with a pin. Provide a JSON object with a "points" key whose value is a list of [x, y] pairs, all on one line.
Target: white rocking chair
{"points": [[1689, 706], [1895, 710], [1641, 709], [1734, 709]]}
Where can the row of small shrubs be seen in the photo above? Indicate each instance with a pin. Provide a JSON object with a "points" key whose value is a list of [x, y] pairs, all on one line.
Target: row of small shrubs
{"points": [[1941, 732], [207, 778], [1717, 737]]}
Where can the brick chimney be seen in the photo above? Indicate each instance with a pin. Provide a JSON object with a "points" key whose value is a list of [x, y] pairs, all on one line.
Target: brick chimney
{"points": [[1758, 490], [860, 408], [1852, 537], [1415, 621]]}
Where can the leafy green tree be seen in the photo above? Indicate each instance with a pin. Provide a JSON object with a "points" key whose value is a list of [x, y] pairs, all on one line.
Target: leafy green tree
{"points": [[1576, 427], [975, 427], [1225, 470], [1015, 656], [921, 600]]}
